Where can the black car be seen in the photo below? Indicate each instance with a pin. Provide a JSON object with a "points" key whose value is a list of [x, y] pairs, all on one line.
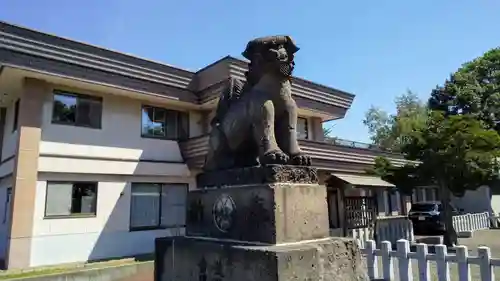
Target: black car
{"points": [[427, 217]]}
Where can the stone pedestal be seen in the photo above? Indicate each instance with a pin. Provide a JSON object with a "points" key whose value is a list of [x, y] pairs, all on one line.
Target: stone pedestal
{"points": [[261, 223]]}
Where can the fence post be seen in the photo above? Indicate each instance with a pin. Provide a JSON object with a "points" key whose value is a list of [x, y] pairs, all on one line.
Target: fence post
{"points": [[371, 259], [463, 263], [468, 219], [487, 273], [387, 268], [423, 263], [486, 220], [443, 269], [404, 263]]}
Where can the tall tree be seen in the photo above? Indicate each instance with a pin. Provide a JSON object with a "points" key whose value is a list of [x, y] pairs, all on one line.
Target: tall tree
{"points": [[455, 153], [388, 130], [327, 131], [458, 148], [474, 90]]}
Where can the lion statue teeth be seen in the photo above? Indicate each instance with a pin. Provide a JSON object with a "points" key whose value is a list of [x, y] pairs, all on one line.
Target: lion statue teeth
{"points": [[255, 122]]}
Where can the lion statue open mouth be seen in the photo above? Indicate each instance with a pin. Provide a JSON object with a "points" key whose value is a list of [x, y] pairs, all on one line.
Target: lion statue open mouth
{"points": [[255, 122]]}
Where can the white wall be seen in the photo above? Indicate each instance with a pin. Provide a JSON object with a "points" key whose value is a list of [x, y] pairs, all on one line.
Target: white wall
{"points": [[196, 124], [474, 201], [118, 140], [107, 235], [495, 204], [120, 136]]}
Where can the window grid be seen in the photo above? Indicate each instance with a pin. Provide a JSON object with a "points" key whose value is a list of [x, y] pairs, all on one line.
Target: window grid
{"points": [[79, 100], [172, 124], [72, 201], [161, 194]]}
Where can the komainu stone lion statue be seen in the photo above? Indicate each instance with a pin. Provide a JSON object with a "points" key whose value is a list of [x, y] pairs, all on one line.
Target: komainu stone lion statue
{"points": [[255, 123]]}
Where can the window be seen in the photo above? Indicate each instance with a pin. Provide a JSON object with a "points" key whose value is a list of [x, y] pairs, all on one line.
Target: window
{"points": [[77, 110], [164, 123], [382, 205], [429, 194], [419, 194], [15, 123], [302, 132], [71, 198], [154, 206], [394, 202], [333, 209], [8, 199]]}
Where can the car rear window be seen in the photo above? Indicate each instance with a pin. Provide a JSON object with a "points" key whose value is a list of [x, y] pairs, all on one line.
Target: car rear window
{"points": [[423, 207]]}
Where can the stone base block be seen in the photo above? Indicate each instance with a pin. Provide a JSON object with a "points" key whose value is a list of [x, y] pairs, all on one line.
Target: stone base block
{"points": [[268, 213], [202, 259]]}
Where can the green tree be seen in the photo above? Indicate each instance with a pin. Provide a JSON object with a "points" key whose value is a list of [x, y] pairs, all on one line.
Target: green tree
{"points": [[458, 147], [327, 131], [388, 130], [473, 90], [455, 153]]}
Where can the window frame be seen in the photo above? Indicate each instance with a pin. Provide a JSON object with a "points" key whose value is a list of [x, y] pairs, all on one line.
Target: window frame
{"points": [[178, 123], [159, 226], [77, 96], [15, 121], [306, 126], [75, 215]]}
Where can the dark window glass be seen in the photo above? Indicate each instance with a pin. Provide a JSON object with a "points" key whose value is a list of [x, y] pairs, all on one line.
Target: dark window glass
{"points": [[164, 123], [15, 124], [8, 203], [77, 110], [66, 199], [154, 205], [302, 130]]}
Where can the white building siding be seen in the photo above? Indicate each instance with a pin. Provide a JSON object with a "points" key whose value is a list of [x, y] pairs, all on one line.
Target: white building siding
{"points": [[118, 138], [107, 235], [495, 204]]}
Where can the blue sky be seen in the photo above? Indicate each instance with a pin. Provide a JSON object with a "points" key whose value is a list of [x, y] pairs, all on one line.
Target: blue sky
{"points": [[374, 49]]}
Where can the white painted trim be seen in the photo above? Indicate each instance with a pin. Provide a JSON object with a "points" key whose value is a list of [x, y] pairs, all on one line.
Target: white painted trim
{"points": [[87, 166]]}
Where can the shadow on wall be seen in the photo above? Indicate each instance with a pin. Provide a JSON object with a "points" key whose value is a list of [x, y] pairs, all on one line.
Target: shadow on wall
{"points": [[117, 240], [105, 236]]}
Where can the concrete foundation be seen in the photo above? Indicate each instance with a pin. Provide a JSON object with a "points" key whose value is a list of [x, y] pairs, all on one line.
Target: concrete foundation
{"points": [[202, 259], [265, 223]]}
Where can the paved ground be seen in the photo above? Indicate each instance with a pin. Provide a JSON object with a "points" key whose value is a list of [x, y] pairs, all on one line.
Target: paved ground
{"points": [[489, 238]]}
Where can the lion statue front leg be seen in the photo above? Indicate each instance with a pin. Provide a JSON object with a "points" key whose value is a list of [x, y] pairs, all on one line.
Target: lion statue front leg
{"points": [[263, 131], [287, 133]]}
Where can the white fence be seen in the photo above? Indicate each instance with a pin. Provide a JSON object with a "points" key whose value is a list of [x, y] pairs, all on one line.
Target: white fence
{"points": [[422, 257], [471, 222], [386, 229], [393, 228]]}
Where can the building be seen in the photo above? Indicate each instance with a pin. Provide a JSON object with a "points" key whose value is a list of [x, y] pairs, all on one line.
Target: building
{"points": [[99, 148]]}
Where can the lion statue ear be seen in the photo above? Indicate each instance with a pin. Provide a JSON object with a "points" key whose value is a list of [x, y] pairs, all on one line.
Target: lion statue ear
{"points": [[257, 45], [290, 45]]}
